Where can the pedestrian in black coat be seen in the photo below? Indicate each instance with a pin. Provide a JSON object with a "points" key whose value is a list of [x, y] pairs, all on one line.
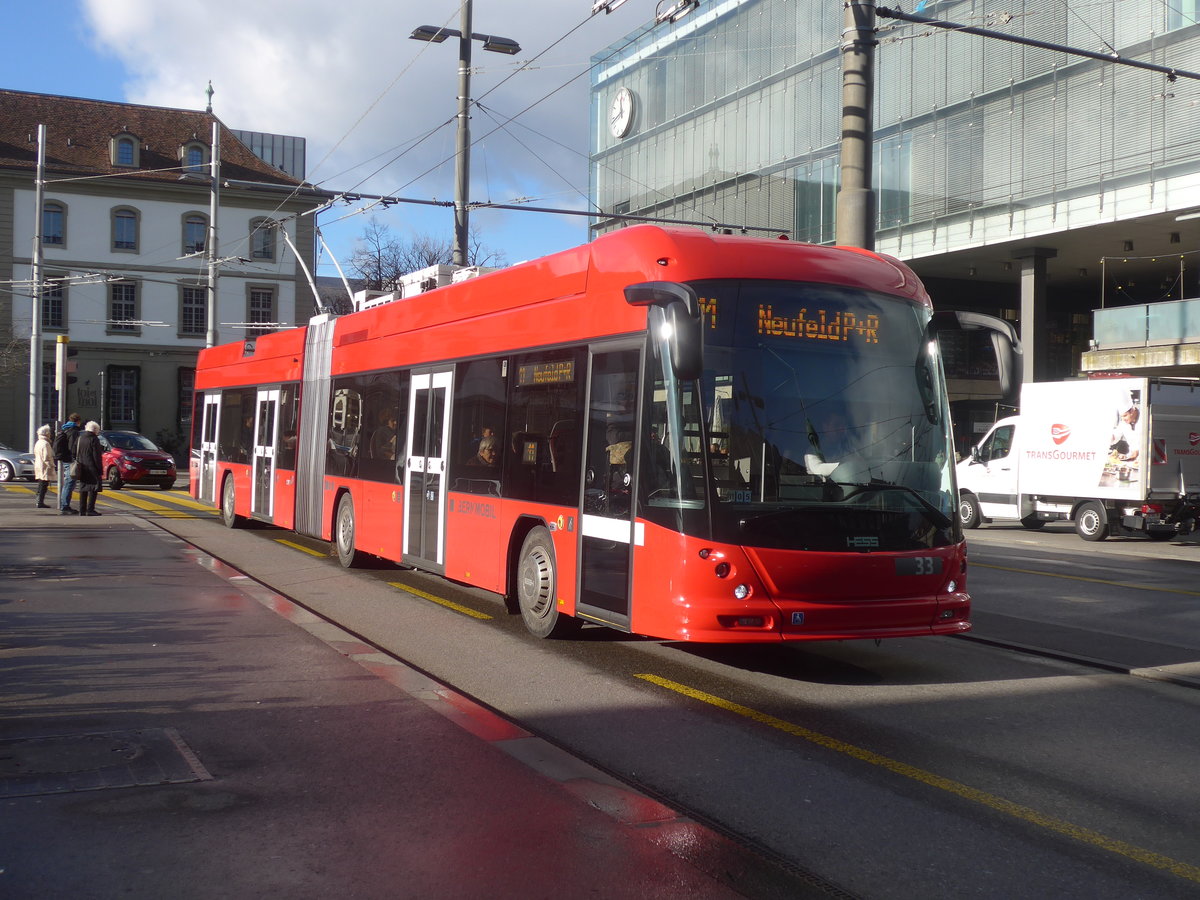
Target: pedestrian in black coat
{"points": [[89, 468]]}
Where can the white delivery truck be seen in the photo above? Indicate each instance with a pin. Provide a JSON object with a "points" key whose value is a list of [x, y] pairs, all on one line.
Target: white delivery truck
{"points": [[1110, 454]]}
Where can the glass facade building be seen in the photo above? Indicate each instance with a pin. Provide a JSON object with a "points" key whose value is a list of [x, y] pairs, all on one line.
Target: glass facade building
{"points": [[736, 112]]}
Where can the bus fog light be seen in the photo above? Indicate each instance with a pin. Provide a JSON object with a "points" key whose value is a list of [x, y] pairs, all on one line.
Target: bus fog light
{"points": [[742, 591]]}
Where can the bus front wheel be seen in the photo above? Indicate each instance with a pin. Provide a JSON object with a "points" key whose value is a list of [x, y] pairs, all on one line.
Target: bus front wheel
{"points": [[537, 587], [343, 533]]}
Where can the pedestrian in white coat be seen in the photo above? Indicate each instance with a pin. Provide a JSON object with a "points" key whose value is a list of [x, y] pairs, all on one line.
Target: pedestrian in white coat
{"points": [[44, 469]]}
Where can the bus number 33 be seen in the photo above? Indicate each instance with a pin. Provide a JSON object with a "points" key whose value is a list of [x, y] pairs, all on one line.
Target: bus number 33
{"points": [[919, 565]]}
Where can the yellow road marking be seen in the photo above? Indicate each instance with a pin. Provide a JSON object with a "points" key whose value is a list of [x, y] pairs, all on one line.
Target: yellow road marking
{"points": [[302, 548], [112, 497], [185, 500], [441, 601], [998, 804], [1120, 584]]}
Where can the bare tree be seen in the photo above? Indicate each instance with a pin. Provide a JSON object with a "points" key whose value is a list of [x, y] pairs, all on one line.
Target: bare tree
{"points": [[376, 257], [14, 360], [380, 259]]}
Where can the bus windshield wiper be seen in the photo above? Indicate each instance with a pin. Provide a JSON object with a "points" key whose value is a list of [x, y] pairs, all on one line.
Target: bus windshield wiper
{"points": [[939, 518]]}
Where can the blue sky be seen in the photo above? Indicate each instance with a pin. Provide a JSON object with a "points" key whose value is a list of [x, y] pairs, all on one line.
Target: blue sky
{"points": [[361, 103]]}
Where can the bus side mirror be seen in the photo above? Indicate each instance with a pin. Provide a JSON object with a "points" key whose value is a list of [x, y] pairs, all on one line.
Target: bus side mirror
{"points": [[680, 323], [1005, 343]]}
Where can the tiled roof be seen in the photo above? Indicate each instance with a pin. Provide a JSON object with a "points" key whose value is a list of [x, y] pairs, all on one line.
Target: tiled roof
{"points": [[78, 135]]}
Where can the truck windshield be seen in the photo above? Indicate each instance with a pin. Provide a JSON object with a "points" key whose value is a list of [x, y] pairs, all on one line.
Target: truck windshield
{"points": [[824, 420]]}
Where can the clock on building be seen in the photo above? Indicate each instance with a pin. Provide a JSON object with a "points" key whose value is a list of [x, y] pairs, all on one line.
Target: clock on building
{"points": [[620, 113]]}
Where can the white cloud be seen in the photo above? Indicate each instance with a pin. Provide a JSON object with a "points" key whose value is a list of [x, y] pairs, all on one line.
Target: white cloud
{"points": [[347, 78]]}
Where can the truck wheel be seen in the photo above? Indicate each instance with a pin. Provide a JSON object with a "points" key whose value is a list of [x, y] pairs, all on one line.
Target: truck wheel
{"points": [[1091, 523], [969, 515], [1032, 522], [537, 588]]}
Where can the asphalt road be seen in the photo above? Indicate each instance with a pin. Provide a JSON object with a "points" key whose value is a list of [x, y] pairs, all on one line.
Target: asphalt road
{"points": [[1050, 753]]}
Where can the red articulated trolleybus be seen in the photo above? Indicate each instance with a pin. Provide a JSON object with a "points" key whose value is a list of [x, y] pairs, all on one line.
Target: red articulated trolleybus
{"points": [[691, 436]]}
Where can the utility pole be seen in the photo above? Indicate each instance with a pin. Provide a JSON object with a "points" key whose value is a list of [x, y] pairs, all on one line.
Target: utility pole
{"points": [[855, 226], [462, 161], [35, 328], [214, 198]]}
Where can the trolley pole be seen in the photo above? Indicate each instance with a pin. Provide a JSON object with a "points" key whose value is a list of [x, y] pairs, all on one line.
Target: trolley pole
{"points": [[855, 225]]}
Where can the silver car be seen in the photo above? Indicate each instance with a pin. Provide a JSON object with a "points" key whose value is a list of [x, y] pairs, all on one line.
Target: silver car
{"points": [[15, 464]]}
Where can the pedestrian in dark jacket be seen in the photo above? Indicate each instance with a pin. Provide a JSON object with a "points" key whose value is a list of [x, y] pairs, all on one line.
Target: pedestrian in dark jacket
{"points": [[89, 464], [64, 452]]}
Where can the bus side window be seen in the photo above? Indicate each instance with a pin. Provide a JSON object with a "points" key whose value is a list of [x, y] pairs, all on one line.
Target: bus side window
{"points": [[382, 442], [289, 406], [543, 453], [477, 441], [344, 425]]}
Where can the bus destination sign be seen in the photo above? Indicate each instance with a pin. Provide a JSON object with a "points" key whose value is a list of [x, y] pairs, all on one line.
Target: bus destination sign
{"points": [[819, 324], [560, 371]]}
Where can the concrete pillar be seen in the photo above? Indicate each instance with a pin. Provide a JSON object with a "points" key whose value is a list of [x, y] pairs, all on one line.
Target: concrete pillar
{"points": [[1034, 337]]}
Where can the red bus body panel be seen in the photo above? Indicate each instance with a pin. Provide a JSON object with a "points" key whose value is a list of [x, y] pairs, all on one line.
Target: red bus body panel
{"points": [[573, 297]]}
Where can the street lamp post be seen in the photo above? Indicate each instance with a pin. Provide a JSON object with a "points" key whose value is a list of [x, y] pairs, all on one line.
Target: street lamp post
{"points": [[462, 165]]}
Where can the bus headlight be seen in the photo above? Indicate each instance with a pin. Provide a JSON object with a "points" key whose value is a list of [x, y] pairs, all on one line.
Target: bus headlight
{"points": [[742, 591]]}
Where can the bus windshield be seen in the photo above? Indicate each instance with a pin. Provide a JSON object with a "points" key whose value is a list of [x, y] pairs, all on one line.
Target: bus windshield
{"points": [[825, 419]]}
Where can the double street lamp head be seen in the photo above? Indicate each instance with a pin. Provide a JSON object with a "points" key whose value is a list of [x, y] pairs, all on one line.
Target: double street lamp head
{"points": [[435, 35]]}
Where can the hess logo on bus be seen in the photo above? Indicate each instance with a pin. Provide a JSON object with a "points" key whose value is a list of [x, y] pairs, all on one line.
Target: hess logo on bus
{"points": [[1059, 433]]}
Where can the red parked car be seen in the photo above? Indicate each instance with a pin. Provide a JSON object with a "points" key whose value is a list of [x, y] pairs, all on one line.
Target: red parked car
{"points": [[132, 458]]}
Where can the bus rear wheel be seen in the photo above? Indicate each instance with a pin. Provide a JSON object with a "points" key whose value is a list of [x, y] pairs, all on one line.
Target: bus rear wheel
{"points": [[228, 505], [537, 588], [343, 533]]}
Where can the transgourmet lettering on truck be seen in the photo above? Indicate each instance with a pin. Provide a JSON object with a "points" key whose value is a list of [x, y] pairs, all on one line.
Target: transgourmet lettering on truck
{"points": [[1060, 434], [1062, 455]]}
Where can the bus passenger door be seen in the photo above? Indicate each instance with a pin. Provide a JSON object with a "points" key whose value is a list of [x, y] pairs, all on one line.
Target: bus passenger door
{"points": [[266, 434], [208, 448], [425, 468], [608, 529]]}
